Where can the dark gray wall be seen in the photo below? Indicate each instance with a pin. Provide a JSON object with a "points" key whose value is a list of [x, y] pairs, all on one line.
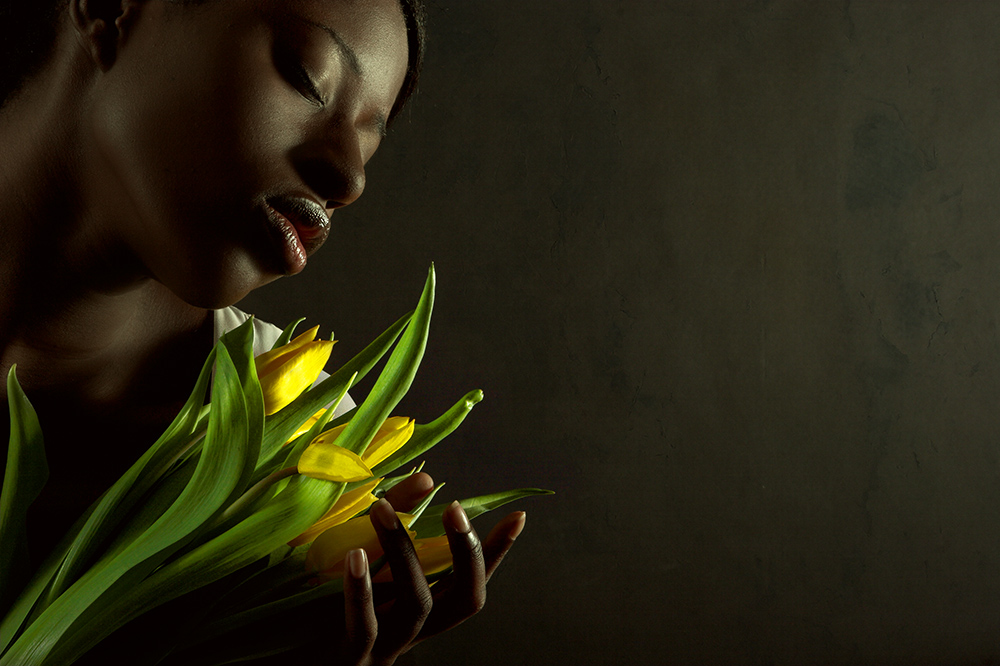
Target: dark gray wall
{"points": [[728, 273]]}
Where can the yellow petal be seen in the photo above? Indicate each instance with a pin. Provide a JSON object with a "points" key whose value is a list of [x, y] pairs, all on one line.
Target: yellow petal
{"points": [[392, 434], [294, 374], [308, 424], [329, 549], [267, 361], [434, 555], [332, 434], [349, 505], [326, 555], [323, 459], [395, 432]]}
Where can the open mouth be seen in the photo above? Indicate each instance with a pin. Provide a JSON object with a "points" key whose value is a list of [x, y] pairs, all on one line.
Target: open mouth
{"points": [[300, 225]]}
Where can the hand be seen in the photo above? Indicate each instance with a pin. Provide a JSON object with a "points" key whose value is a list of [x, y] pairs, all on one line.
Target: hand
{"points": [[376, 633]]}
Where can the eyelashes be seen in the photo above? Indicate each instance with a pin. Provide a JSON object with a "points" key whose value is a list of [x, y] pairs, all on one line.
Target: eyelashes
{"points": [[292, 70], [288, 62]]}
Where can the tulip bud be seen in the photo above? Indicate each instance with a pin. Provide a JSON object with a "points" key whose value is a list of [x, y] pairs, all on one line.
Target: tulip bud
{"points": [[287, 371]]}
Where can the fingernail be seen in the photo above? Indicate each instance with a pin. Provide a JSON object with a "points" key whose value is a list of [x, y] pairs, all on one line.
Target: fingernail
{"points": [[384, 514], [459, 521], [357, 563], [515, 530]]}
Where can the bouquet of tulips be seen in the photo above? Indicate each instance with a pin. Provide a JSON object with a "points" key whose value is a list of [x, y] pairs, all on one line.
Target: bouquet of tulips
{"points": [[241, 511]]}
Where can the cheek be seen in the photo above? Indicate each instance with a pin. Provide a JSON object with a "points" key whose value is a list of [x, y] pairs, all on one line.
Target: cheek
{"points": [[155, 138], [182, 168], [191, 131], [205, 129]]}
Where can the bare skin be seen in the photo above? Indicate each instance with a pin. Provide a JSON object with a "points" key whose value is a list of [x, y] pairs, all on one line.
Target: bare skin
{"points": [[141, 166]]}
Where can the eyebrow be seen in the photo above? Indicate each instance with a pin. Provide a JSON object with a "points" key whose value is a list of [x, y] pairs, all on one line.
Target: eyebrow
{"points": [[381, 122], [345, 49]]}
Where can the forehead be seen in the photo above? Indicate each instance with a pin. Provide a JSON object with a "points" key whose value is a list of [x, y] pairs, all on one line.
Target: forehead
{"points": [[370, 33], [373, 26]]}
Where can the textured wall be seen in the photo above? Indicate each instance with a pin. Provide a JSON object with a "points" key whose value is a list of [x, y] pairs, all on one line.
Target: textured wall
{"points": [[728, 274]]}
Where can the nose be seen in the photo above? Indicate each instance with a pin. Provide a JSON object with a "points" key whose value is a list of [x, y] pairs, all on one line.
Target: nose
{"points": [[333, 167]]}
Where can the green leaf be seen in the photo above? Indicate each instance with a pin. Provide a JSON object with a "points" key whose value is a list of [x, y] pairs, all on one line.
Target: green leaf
{"points": [[24, 477], [271, 609], [296, 448], [267, 585], [76, 620], [390, 481], [115, 505], [26, 603], [279, 427], [419, 509], [239, 344], [291, 571], [294, 509], [287, 334], [156, 503], [429, 524], [427, 436], [395, 379], [257, 493]]}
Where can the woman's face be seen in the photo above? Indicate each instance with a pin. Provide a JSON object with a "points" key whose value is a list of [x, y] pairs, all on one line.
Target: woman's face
{"points": [[226, 133]]}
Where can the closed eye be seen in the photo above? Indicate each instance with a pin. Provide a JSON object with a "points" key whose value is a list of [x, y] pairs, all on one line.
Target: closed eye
{"points": [[293, 72]]}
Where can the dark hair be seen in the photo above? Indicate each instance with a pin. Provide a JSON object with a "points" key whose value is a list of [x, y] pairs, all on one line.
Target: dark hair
{"points": [[29, 34], [413, 14]]}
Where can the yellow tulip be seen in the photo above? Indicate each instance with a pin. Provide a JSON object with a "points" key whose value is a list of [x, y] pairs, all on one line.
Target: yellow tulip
{"points": [[324, 459], [434, 554], [289, 370], [349, 505], [326, 556], [307, 425], [391, 435]]}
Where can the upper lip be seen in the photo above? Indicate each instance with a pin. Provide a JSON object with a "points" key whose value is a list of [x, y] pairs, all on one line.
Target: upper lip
{"points": [[311, 221]]}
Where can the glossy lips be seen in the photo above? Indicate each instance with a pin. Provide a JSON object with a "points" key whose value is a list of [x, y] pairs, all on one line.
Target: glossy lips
{"points": [[303, 226]]}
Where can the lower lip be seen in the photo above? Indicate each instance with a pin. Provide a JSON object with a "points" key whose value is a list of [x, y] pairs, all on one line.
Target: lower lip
{"points": [[294, 252]]}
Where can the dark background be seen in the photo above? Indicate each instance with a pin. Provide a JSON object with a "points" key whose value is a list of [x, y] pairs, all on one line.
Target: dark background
{"points": [[728, 275]]}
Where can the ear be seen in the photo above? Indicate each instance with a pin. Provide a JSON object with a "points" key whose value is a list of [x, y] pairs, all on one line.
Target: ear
{"points": [[102, 25]]}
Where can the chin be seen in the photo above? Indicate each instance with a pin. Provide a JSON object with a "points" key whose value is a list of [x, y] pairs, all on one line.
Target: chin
{"points": [[226, 285]]}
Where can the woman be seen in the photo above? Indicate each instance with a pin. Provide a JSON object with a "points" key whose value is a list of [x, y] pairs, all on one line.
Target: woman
{"points": [[162, 159]]}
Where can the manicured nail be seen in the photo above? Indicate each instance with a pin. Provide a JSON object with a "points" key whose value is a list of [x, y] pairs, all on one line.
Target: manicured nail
{"points": [[357, 563], [459, 521], [384, 514], [518, 525]]}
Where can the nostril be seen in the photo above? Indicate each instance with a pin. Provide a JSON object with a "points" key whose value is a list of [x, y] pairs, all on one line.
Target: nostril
{"points": [[333, 205], [337, 177], [343, 185]]}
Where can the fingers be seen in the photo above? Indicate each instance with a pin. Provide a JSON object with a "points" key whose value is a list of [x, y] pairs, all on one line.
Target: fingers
{"points": [[464, 593], [407, 493], [409, 619], [500, 540], [359, 611], [469, 576], [413, 600]]}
